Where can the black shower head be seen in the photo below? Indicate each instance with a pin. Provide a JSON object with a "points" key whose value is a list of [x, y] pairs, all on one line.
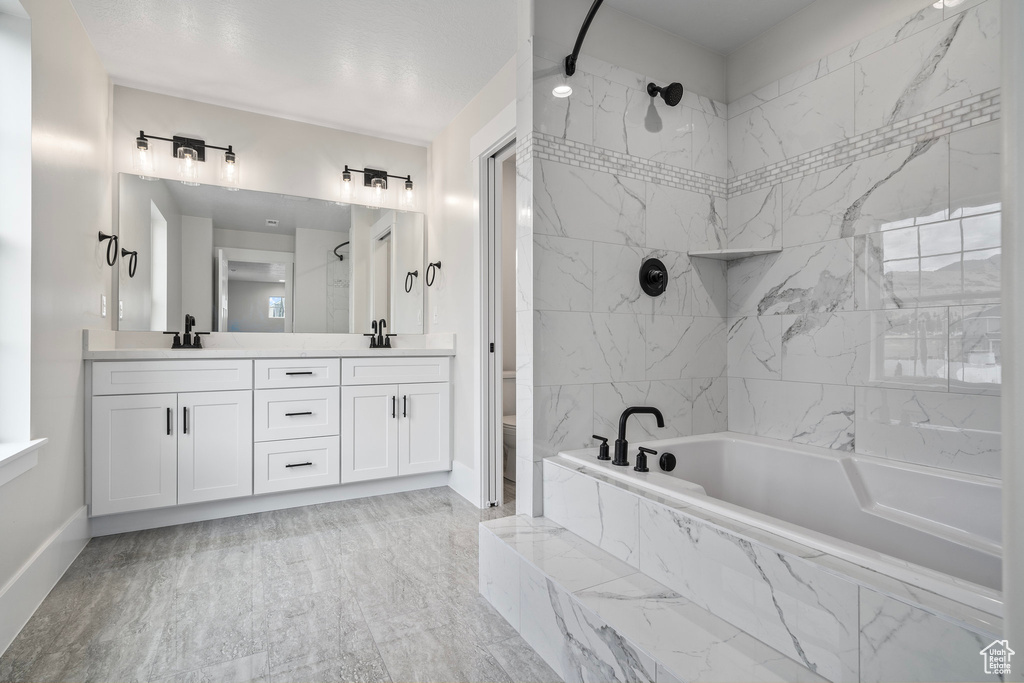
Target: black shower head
{"points": [[671, 93]]}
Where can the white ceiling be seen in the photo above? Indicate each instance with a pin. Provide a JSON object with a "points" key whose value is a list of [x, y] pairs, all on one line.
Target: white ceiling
{"points": [[718, 25], [391, 68], [249, 271], [249, 210]]}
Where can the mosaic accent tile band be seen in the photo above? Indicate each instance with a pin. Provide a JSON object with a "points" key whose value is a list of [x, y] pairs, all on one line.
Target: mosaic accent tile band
{"points": [[972, 111]]}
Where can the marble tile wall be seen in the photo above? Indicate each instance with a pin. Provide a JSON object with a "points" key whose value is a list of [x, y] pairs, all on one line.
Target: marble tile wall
{"points": [[616, 178], [876, 172]]}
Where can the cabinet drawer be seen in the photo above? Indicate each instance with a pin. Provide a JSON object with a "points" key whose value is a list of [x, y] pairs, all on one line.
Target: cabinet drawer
{"points": [[170, 376], [355, 371], [295, 464], [297, 372], [296, 413]]}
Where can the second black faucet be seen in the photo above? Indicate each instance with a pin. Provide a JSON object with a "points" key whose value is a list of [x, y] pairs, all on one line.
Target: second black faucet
{"points": [[621, 445]]}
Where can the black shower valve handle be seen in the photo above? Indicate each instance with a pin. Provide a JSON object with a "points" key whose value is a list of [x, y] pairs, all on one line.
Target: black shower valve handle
{"points": [[641, 459], [602, 452]]}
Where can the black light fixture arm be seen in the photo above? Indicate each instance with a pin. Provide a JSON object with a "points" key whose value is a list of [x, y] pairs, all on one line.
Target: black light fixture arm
{"points": [[178, 141], [570, 60], [375, 173]]}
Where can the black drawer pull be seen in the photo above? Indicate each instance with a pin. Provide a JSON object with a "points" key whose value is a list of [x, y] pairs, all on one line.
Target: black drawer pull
{"points": [[300, 464], [394, 406], [168, 422], [306, 412], [304, 372], [405, 412], [185, 421]]}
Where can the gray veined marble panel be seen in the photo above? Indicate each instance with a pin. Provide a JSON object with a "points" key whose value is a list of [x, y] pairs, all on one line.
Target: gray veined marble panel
{"points": [[710, 142], [975, 349], [755, 347], [815, 414], [813, 116], [680, 220], [568, 118], [975, 174], [953, 431], [809, 278], [935, 67], [907, 186], [573, 640], [616, 286], [673, 397], [526, 273], [755, 219], [563, 275], [755, 99], [570, 499], [803, 612], [710, 405], [577, 202], [563, 417], [499, 576], [685, 347], [677, 299], [572, 348], [899, 642]]}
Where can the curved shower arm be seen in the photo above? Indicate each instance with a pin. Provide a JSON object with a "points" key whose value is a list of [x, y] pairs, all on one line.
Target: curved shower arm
{"points": [[570, 60], [341, 257]]}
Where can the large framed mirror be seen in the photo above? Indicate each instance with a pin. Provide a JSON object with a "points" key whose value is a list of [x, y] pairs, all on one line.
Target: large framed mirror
{"points": [[246, 261]]}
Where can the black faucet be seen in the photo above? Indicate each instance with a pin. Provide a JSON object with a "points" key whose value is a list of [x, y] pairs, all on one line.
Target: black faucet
{"points": [[621, 445], [380, 333], [186, 340]]}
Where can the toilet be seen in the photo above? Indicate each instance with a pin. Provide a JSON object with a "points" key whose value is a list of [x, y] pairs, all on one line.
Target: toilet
{"points": [[508, 423]]}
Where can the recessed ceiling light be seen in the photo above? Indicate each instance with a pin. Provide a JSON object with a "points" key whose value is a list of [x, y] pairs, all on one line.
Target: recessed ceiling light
{"points": [[563, 90]]}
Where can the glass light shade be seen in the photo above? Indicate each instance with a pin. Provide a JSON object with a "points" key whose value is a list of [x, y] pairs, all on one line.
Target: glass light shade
{"points": [[346, 186], [375, 193], [188, 165], [143, 161], [229, 170], [407, 196]]}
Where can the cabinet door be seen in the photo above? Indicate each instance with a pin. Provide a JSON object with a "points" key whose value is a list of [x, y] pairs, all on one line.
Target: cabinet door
{"points": [[423, 430], [214, 445], [133, 452], [369, 432]]}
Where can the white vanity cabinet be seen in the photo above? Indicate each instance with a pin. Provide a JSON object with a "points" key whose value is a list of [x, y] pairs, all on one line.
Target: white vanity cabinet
{"points": [[399, 428], [154, 444]]}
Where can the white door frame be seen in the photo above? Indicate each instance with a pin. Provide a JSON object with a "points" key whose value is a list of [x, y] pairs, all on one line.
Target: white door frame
{"points": [[261, 256], [491, 139]]}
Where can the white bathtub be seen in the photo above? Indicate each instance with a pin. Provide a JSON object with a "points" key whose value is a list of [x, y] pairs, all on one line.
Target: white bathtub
{"points": [[935, 529]]}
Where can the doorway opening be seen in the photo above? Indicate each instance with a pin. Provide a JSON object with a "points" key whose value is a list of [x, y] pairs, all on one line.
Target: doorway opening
{"points": [[500, 282]]}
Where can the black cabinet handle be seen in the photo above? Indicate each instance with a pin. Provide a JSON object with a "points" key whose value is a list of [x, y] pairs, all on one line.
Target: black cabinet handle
{"points": [[304, 372], [168, 422], [300, 464], [306, 412], [185, 421], [405, 412], [394, 406]]}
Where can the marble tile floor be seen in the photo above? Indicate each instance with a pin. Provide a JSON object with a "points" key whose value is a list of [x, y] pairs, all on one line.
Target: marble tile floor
{"points": [[376, 589]]}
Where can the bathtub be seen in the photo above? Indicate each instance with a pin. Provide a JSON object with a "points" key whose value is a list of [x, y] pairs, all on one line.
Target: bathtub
{"points": [[934, 529]]}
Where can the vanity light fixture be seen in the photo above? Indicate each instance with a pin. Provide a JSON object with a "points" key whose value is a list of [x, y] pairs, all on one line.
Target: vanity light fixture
{"points": [[189, 152], [375, 182]]}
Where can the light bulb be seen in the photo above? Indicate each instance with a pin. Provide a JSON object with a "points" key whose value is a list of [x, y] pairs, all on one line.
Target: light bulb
{"points": [[408, 197], [229, 170], [188, 165], [562, 90], [346, 184], [375, 197]]}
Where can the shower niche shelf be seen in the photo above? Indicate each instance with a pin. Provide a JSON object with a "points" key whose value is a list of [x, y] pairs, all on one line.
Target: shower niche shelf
{"points": [[731, 254]]}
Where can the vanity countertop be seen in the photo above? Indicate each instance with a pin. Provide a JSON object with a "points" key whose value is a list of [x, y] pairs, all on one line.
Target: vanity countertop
{"points": [[110, 345], [197, 354]]}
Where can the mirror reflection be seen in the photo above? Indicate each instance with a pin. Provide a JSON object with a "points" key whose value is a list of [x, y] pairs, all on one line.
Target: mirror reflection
{"points": [[246, 261]]}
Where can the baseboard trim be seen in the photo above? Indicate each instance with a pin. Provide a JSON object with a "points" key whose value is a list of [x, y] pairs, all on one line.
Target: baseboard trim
{"points": [[23, 594], [201, 512], [462, 481]]}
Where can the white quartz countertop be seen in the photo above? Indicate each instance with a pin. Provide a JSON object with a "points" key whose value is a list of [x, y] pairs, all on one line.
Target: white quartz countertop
{"points": [[195, 354], [109, 345]]}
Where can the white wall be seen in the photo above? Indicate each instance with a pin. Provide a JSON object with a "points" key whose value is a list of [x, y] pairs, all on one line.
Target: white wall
{"points": [[71, 200], [310, 290], [812, 33], [508, 272], [274, 155], [260, 241], [250, 306], [197, 270], [630, 43], [15, 223], [453, 237]]}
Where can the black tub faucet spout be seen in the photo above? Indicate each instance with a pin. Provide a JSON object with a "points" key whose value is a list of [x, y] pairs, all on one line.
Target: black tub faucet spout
{"points": [[621, 445]]}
